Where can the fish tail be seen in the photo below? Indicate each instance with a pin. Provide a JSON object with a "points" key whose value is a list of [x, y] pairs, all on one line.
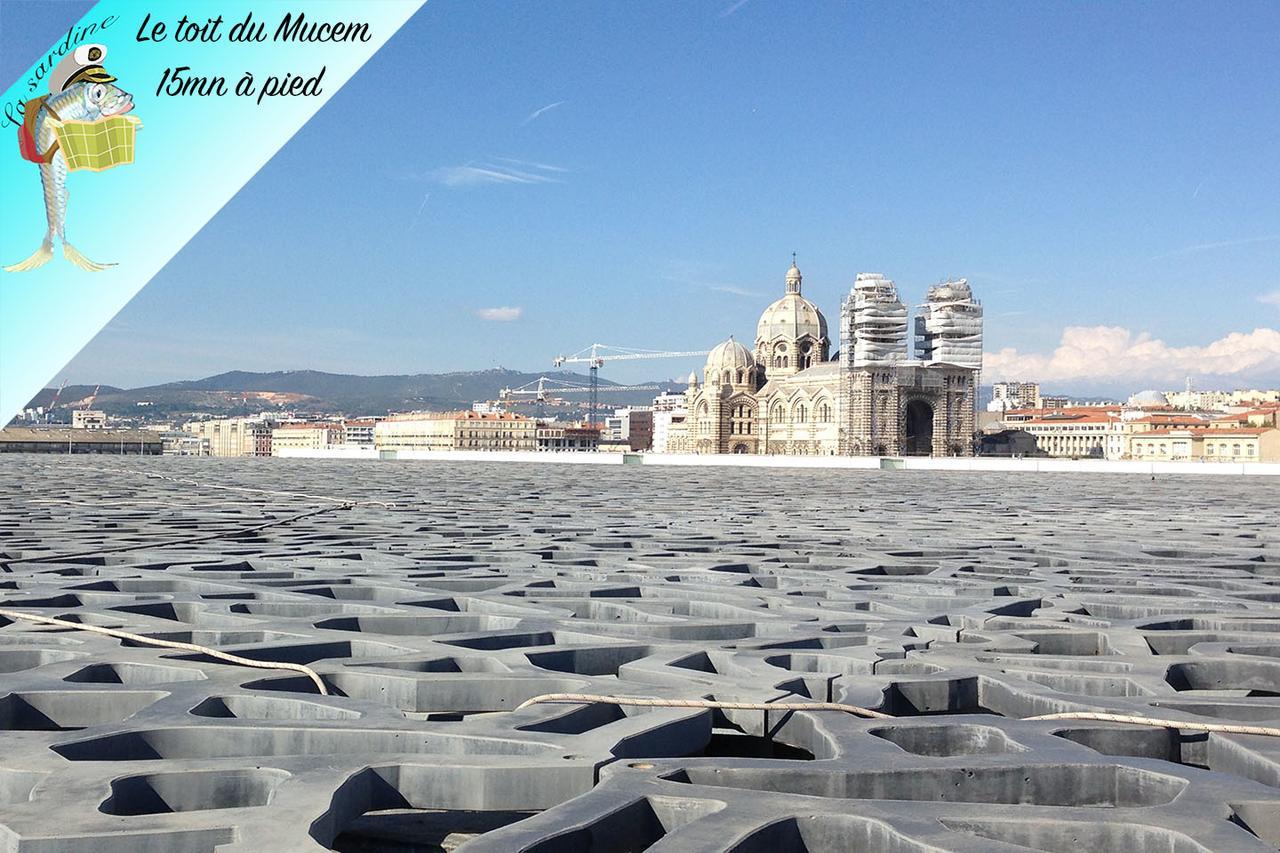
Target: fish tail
{"points": [[38, 258], [73, 254]]}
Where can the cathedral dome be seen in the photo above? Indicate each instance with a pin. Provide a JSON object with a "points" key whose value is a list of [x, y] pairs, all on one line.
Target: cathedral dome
{"points": [[792, 317], [729, 362]]}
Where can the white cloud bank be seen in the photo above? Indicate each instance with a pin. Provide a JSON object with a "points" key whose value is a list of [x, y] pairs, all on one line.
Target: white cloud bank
{"points": [[1114, 354], [505, 314]]}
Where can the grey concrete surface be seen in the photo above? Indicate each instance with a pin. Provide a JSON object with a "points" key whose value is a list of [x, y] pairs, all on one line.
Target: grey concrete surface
{"points": [[957, 602]]}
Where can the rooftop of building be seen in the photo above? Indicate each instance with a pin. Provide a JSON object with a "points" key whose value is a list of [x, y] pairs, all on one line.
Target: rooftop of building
{"points": [[61, 434], [459, 416], [1204, 431]]}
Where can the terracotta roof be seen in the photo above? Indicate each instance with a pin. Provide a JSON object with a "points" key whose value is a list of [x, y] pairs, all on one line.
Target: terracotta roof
{"points": [[1201, 432], [1237, 431], [1056, 418]]}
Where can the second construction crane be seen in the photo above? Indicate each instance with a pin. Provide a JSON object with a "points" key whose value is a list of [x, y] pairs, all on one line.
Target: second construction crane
{"points": [[544, 389], [597, 354]]}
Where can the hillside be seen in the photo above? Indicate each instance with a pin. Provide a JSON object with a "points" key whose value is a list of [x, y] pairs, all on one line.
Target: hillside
{"points": [[240, 392]]}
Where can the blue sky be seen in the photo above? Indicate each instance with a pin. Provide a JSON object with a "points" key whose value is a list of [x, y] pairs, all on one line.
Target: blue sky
{"points": [[639, 174]]}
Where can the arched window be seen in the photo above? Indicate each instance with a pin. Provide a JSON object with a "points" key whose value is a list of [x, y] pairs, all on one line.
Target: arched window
{"points": [[776, 415], [802, 413], [739, 377], [1235, 450], [824, 413]]}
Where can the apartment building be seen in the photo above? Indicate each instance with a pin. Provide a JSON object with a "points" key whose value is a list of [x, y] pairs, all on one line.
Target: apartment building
{"points": [[457, 431], [305, 436], [234, 436]]}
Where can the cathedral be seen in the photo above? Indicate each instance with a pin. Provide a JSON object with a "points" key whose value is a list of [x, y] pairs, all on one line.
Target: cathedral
{"points": [[790, 395]]}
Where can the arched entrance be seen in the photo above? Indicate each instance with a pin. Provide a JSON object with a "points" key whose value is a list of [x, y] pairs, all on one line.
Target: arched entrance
{"points": [[739, 448], [918, 438]]}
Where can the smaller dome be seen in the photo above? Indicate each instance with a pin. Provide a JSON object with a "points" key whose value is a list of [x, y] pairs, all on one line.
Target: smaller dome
{"points": [[693, 377], [1148, 399], [729, 358]]}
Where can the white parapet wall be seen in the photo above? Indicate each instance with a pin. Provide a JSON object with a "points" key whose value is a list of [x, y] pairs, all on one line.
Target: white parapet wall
{"points": [[705, 460], [1084, 466], [565, 458], [337, 451], [734, 460]]}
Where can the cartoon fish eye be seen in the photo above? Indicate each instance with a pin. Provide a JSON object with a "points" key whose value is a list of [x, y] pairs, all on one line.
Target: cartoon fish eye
{"points": [[97, 92]]}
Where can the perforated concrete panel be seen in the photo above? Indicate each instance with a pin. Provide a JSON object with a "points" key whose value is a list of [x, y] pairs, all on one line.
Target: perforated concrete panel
{"points": [[959, 603]]}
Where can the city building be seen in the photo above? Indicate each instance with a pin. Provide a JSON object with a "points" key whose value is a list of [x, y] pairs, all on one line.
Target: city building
{"points": [[1014, 395], [669, 416], [122, 442], [557, 437], [235, 436], [456, 431], [88, 419], [787, 396], [359, 431], [1225, 444], [178, 443], [1072, 433], [640, 428], [1053, 401], [1219, 401], [632, 426], [305, 436]]}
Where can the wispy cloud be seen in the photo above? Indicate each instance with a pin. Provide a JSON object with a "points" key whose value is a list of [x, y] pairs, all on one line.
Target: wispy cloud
{"points": [[1272, 298], [505, 314], [718, 287], [472, 174], [736, 291], [1221, 244], [414, 223], [734, 8], [531, 164], [533, 116], [1116, 353]]}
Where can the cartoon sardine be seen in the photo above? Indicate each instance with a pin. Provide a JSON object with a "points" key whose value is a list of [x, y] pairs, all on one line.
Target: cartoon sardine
{"points": [[80, 90]]}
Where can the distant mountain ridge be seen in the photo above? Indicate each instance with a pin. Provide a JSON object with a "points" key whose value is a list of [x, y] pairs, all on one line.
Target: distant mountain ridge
{"points": [[241, 392]]}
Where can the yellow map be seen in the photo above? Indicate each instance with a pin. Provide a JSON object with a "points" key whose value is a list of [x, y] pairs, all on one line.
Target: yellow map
{"points": [[97, 145]]}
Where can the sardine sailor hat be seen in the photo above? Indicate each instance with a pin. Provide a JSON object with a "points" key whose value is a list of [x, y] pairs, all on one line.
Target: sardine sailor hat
{"points": [[83, 65]]}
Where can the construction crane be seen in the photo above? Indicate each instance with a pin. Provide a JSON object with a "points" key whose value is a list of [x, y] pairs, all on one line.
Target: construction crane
{"points": [[53, 401], [88, 401], [597, 354], [545, 388]]}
